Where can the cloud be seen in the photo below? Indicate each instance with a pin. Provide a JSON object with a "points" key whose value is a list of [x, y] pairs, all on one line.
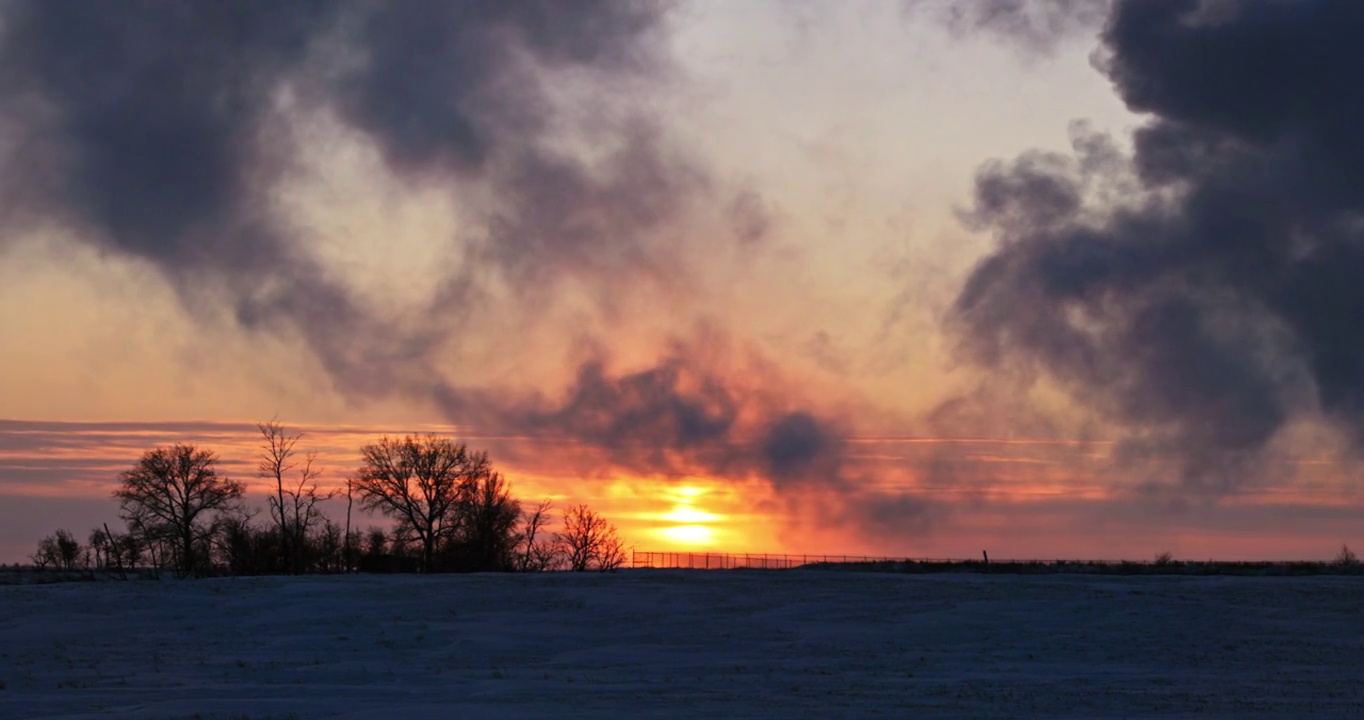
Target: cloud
{"points": [[1218, 298], [694, 410], [160, 133], [1034, 27], [701, 410]]}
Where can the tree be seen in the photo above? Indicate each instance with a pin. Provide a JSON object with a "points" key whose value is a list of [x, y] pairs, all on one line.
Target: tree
{"points": [[329, 546], [46, 554], [533, 553], [154, 537], [175, 490], [99, 549], [121, 552], [60, 550], [68, 549], [293, 507], [245, 550], [420, 482], [485, 525], [590, 542], [350, 547]]}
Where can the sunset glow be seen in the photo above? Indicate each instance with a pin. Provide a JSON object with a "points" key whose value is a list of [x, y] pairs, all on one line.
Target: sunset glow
{"points": [[686, 536], [1034, 488], [687, 524]]}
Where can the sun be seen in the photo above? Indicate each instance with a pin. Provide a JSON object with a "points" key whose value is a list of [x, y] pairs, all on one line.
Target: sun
{"points": [[698, 535], [689, 514], [686, 524]]}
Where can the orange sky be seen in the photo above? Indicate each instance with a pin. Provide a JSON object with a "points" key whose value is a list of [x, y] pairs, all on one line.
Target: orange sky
{"points": [[1016, 498]]}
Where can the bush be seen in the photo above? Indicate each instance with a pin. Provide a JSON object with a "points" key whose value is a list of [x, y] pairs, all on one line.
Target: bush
{"points": [[59, 550]]}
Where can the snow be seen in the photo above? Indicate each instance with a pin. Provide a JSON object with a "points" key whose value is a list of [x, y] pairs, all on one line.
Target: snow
{"points": [[658, 643]]}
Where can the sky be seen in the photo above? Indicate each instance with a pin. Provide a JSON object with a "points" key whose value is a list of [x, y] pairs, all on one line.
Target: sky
{"points": [[1061, 278]]}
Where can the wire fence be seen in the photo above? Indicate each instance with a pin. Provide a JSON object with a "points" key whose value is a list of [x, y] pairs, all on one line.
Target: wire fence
{"points": [[729, 561], [1162, 565]]}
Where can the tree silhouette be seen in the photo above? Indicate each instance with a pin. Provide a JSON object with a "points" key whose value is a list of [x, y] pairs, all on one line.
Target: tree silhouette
{"points": [[293, 507], [485, 533], [60, 549], [590, 542], [420, 482], [175, 490], [534, 554]]}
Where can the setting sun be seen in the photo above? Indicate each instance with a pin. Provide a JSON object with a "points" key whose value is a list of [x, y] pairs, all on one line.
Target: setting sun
{"points": [[686, 524], [688, 534], [687, 514]]}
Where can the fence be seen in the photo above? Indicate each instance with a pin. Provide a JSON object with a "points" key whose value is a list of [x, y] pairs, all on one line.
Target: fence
{"points": [[729, 561], [1159, 566]]}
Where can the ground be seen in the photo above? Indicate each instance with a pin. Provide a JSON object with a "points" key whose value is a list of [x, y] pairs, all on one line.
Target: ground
{"points": [[656, 643]]}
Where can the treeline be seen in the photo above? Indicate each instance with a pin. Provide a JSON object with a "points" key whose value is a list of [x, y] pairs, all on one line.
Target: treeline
{"points": [[452, 512]]}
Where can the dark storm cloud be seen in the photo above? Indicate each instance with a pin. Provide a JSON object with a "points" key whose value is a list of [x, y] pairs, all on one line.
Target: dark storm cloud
{"points": [[145, 128], [691, 414], [681, 415], [1034, 26], [443, 84], [595, 221], [158, 130], [140, 121], [462, 90], [1225, 296]]}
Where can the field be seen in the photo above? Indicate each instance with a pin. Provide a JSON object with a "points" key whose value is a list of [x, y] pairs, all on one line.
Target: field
{"points": [[675, 643]]}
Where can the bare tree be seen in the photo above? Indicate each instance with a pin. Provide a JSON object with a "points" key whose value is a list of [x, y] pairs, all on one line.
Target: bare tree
{"points": [[293, 507], [590, 542], [376, 542], [485, 525], [100, 549], [127, 549], [68, 549], [176, 490], [350, 547], [121, 552], [46, 554], [60, 550], [149, 535], [420, 482], [535, 552], [331, 544]]}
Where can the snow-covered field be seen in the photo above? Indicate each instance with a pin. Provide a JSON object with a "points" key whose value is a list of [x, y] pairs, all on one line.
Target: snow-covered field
{"points": [[797, 643]]}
